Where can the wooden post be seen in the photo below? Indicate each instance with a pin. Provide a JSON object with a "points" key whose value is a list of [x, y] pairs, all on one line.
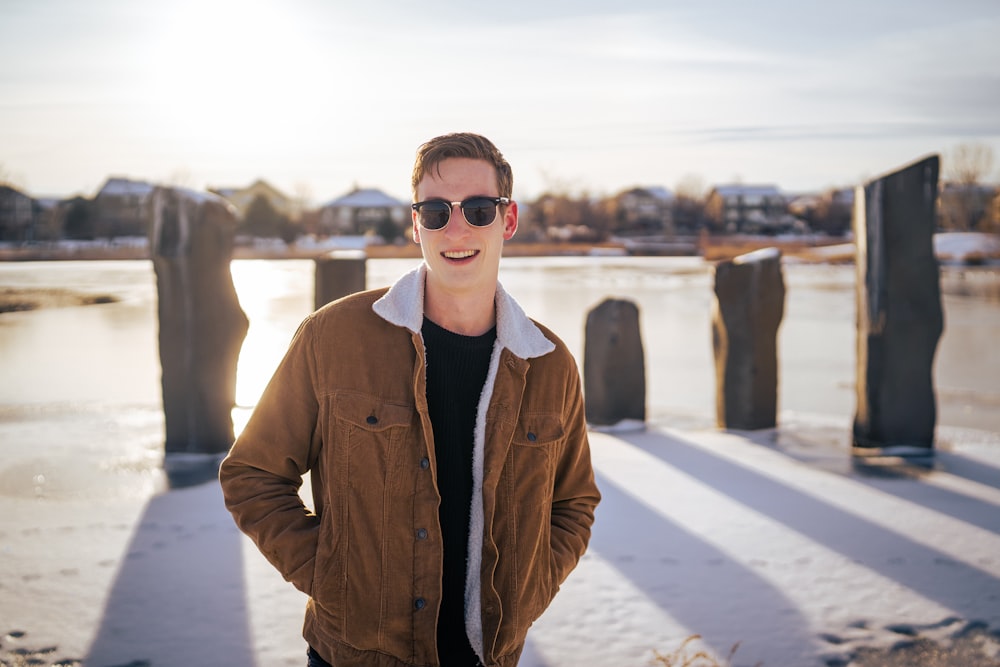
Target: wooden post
{"points": [[338, 274], [614, 371], [202, 326], [747, 311], [899, 313]]}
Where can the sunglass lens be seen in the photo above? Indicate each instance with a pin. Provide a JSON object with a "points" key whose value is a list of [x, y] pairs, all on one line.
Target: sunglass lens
{"points": [[479, 211], [434, 214]]}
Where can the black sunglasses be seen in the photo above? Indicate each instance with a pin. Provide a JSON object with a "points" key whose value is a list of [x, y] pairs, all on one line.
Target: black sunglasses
{"points": [[434, 214]]}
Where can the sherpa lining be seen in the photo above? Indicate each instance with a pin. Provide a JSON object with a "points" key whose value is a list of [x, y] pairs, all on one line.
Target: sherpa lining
{"points": [[403, 305]]}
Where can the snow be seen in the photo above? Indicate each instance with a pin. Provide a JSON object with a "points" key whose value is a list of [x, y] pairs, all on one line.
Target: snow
{"points": [[344, 242], [117, 186], [738, 540], [949, 248], [962, 247], [769, 539], [758, 256], [365, 198], [737, 190]]}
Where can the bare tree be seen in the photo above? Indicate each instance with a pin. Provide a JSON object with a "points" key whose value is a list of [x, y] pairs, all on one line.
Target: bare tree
{"points": [[301, 199], [969, 164], [10, 179], [964, 201], [263, 220], [180, 177], [689, 203]]}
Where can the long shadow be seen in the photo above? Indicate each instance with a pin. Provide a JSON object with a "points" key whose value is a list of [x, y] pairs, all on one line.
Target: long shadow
{"points": [[703, 588], [969, 468], [179, 597], [908, 480], [953, 503], [959, 586]]}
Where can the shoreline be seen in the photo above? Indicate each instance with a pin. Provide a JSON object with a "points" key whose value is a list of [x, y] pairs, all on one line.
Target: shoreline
{"points": [[966, 251], [956, 278]]}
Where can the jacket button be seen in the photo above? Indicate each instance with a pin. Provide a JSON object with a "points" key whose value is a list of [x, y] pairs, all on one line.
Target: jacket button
{"points": [[372, 419], [425, 463], [531, 436], [419, 604], [422, 534]]}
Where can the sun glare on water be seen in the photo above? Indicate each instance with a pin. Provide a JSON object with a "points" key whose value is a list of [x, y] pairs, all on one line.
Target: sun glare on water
{"points": [[260, 287]]}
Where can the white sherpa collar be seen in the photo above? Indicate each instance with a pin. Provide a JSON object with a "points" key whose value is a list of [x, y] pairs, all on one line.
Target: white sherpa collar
{"points": [[403, 305]]}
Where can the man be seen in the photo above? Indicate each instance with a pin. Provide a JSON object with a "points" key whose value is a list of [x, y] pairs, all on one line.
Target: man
{"points": [[446, 439]]}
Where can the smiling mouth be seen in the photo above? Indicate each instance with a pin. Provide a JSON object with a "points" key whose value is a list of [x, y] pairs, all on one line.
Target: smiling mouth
{"points": [[460, 254]]}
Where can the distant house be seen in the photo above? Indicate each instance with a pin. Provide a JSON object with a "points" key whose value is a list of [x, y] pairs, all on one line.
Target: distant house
{"points": [[120, 207], [647, 210], [16, 215], [748, 209], [241, 198], [48, 218], [363, 211]]}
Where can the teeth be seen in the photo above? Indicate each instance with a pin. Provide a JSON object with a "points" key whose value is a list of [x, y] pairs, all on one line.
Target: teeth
{"points": [[459, 254]]}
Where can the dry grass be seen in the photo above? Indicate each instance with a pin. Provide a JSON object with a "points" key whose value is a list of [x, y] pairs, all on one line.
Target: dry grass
{"points": [[21, 299], [688, 656]]}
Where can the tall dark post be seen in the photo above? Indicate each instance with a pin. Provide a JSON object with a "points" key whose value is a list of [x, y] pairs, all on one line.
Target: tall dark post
{"points": [[614, 371], [339, 273], [202, 326], [748, 308], [899, 314]]}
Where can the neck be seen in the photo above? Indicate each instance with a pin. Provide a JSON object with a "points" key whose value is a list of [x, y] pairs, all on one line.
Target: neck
{"points": [[465, 314]]}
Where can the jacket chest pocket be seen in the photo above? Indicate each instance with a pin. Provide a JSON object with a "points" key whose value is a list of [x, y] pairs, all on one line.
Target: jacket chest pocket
{"points": [[370, 434], [537, 440]]}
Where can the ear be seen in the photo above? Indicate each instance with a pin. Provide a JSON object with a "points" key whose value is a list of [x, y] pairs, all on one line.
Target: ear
{"points": [[416, 227], [510, 221]]}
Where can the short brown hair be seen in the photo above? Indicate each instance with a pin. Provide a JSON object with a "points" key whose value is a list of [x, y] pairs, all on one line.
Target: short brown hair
{"points": [[462, 144]]}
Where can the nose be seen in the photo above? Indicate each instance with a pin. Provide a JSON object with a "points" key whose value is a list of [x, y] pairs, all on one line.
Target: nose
{"points": [[457, 226]]}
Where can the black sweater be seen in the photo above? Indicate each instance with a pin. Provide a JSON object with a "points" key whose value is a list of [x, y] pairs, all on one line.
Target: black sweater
{"points": [[456, 372]]}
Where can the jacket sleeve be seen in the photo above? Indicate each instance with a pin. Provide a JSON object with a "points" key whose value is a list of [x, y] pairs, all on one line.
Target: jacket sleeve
{"points": [[262, 474], [575, 495]]}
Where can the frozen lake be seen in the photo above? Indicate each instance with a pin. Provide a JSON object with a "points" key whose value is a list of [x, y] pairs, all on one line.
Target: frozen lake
{"points": [[103, 359]]}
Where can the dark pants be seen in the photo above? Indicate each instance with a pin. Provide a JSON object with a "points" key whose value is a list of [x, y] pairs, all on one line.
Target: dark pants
{"points": [[315, 660]]}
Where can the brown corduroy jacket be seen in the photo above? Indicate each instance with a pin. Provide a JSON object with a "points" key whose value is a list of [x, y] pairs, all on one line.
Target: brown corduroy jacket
{"points": [[348, 405]]}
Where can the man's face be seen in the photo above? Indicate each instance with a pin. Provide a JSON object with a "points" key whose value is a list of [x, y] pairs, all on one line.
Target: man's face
{"points": [[461, 257]]}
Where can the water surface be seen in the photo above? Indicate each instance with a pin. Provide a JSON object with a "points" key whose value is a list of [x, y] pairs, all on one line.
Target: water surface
{"points": [[85, 380]]}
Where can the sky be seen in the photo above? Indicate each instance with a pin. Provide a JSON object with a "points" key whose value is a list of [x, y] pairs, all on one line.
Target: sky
{"points": [[320, 96]]}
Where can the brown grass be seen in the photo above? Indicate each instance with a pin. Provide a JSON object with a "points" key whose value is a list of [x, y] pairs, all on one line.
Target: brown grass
{"points": [[687, 656], [20, 299]]}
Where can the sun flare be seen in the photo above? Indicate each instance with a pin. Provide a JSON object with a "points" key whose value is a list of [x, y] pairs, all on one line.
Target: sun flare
{"points": [[258, 284], [224, 72]]}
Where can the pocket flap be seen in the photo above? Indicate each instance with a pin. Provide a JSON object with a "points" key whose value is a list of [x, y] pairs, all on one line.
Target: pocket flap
{"points": [[370, 413], [539, 429]]}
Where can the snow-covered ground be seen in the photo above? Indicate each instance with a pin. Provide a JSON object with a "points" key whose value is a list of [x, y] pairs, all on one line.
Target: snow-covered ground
{"points": [[774, 540]]}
